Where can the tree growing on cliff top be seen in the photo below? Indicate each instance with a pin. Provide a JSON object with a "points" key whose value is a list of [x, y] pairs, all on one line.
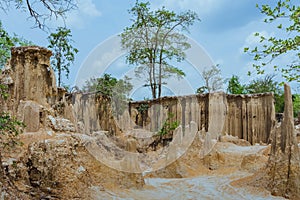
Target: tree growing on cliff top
{"points": [[108, 85], [265, 84], [116, 90], [154, 41], [234, 86], [40, 10], [274, 47], [262, 84], [63, 51]]}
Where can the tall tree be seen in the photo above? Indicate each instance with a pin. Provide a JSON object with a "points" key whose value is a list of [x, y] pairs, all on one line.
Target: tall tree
{"points": [[274, 47], [63, 51], [154, 41], [5, 44], [40, 10]]}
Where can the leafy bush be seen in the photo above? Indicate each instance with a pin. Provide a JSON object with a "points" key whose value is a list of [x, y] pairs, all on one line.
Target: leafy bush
{"points": [[143, 108], [168, 126], [10, 128], [296, 104], [234, 86], [108, 85]]}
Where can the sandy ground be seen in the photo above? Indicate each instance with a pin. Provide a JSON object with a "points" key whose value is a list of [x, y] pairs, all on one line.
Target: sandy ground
{"points": [[212, 186], [203, 187]]}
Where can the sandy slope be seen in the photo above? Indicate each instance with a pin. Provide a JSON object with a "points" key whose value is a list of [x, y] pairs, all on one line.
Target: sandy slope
{"points": [[213, 185], [203, 187]]}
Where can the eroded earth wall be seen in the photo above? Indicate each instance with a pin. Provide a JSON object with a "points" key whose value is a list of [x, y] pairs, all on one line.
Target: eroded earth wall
{"points": [[248, 117], [33, 95], [29, 77], [59, 126], [54, 161]]}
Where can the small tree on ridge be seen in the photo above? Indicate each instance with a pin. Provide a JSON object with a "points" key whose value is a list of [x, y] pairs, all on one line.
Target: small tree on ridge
{"points": [[63, 51]]}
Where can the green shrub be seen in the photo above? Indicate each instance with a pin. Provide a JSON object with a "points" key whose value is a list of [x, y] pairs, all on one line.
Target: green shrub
{"points": [[168, 126]]}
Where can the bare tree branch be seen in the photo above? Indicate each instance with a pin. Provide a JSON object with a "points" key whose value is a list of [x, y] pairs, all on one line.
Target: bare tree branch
{"points": [[41, 10]]}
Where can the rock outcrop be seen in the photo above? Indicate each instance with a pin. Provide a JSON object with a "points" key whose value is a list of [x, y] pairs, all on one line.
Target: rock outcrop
{"points": [[54, 162], [282, 173], [203, 156], [30, 77], [283, 170], [61, 167]]}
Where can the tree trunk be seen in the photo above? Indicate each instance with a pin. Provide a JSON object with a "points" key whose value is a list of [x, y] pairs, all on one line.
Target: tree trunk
{"points": [[160, 72], [153, 90], [153, 81], [59, 78], [59, 68]]}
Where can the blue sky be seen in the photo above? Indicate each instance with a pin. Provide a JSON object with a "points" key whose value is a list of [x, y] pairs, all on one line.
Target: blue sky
{"points": [[226, 27]]}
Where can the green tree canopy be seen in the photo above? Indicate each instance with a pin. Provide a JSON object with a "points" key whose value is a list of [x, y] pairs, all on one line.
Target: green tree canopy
{"points": [[116, 90], [296, 104], [63, 51], [264, 84], [275, 47], [108, 85], [154, 41], [234, 86]]}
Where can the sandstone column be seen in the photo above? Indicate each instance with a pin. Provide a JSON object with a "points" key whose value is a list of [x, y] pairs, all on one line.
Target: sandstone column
{"points": [[32, 78], [283, 169], [217, 110]]}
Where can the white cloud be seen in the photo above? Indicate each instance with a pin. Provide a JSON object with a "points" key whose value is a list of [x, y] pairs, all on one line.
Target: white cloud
{"points": [[263, 29], [247, 34], [202, 7], [253, 40], [77, 18], [87, 7]]}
